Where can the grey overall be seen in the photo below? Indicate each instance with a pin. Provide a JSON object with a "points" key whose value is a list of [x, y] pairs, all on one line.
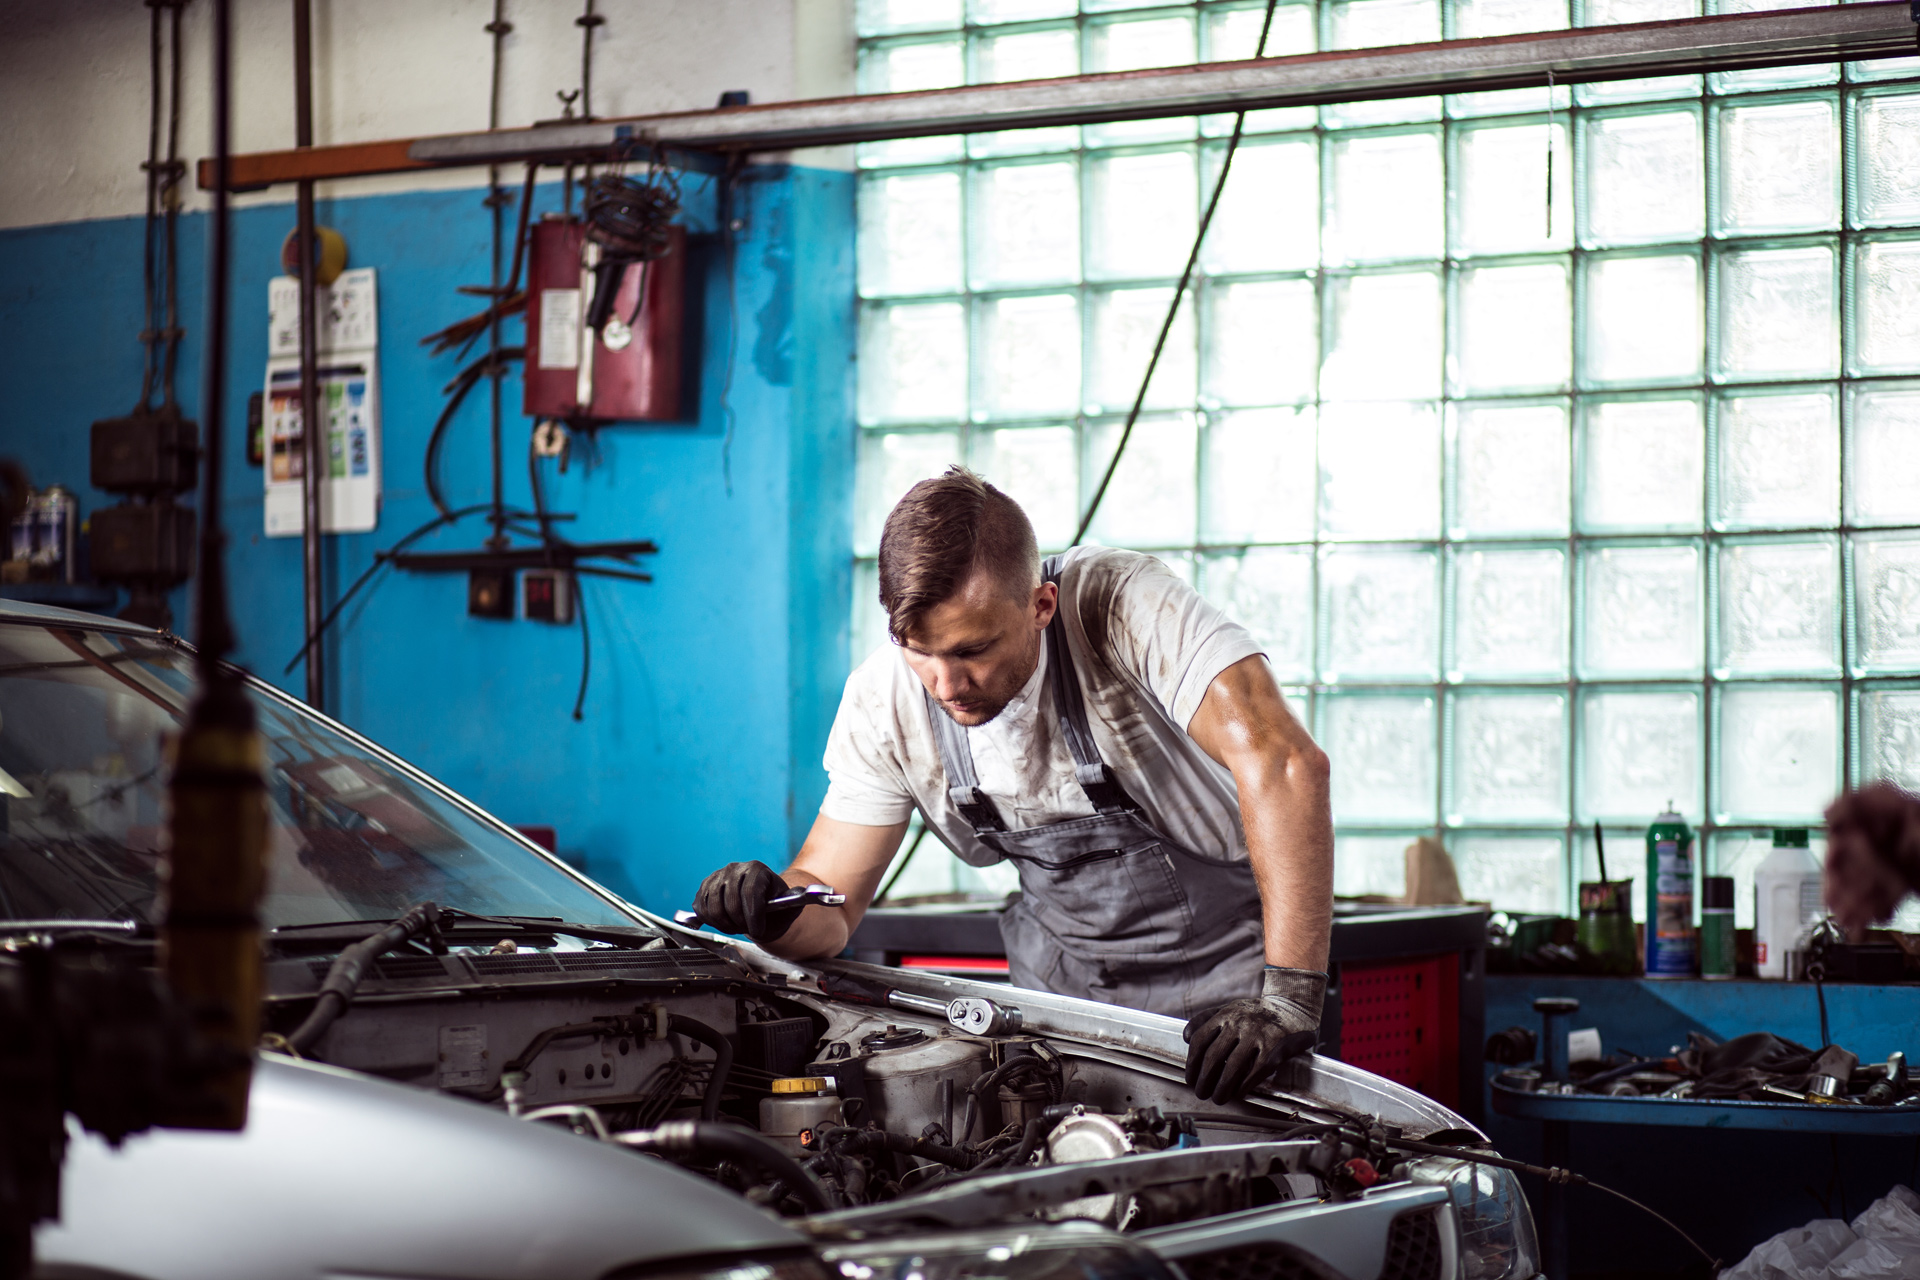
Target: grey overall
{"points": [[1110, 909]]}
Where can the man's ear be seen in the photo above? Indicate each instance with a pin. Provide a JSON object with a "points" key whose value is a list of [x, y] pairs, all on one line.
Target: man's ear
{"points": [[1046, 600]]}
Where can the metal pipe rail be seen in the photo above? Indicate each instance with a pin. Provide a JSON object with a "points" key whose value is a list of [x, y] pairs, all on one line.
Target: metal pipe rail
{"points": [[1727, 42]]}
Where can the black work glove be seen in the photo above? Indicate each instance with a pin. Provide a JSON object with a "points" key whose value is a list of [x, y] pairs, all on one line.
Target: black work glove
{"points": [[1235, 1046], [734, 900]]}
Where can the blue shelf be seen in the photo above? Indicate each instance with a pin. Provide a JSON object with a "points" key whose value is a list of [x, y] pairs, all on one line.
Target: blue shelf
{"points": [[1694, 1113]]}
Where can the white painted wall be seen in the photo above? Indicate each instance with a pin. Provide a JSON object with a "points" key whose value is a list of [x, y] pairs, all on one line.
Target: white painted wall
{"points": [[73, 80]]}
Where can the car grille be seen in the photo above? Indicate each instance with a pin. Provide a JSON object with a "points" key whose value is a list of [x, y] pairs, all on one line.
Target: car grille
{"points": [[393, 968], [1413, 1253], [1413, 1248]]}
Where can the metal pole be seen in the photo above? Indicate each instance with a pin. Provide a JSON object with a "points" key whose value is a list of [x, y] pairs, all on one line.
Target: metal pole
{"points": [[311, 429]]}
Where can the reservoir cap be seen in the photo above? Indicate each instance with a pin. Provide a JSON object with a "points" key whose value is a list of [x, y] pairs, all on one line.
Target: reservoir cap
{"points": [[799, 1084]]}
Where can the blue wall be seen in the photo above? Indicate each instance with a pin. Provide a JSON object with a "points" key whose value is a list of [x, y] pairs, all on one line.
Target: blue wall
{"points": [[712, 687]]}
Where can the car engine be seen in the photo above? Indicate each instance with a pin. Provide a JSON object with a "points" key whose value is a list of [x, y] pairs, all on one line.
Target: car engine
{"points": [[837, 1098]]}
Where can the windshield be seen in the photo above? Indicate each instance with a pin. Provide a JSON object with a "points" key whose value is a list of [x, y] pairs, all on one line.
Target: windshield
{"points": [[85, 717]]}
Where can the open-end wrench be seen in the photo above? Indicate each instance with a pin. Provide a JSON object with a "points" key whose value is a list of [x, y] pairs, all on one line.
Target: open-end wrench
{"points": [[814, 895]]}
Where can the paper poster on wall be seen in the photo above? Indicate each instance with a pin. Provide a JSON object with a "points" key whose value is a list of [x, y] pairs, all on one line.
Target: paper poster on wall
{"points": [[349, 332], [350, 408], [345, 314]]}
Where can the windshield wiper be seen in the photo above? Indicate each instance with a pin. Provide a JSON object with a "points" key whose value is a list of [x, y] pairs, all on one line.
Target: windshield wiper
{"points": [[455, 923], [126, 928]]}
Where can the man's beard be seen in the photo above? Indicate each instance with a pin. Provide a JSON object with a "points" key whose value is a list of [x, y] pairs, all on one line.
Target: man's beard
{"points": [[988, 708]]}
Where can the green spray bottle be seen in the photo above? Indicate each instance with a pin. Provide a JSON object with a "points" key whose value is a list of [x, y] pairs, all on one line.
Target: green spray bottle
{"points": [[1672, 948]]}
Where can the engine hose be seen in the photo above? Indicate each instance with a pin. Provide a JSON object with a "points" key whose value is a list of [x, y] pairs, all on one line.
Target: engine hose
{"points": [[722, 1061], [343, 979], [677, 1139], [847, 1138]]}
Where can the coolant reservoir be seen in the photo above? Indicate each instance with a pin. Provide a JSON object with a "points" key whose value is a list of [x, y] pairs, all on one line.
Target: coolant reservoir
{"points": [[798, 1106], [905, 1066]]}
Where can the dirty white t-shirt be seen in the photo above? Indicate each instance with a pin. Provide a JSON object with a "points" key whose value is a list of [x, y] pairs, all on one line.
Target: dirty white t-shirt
{"points": [[1145, 647]]}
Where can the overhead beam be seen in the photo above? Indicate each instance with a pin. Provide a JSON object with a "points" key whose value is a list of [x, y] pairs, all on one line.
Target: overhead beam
{"points": [[1727, 42]]}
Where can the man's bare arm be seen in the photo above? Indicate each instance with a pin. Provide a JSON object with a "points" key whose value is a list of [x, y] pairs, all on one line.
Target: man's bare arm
{"points": [[851, 858], [1281, 775]]}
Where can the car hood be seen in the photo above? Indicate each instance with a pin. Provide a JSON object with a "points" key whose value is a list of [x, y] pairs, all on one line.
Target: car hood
{"points": [[339, 1173]]}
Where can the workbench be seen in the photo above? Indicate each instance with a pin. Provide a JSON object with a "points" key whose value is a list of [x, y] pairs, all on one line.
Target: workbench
{"points": [[1405, 997], [1731, 1174]]}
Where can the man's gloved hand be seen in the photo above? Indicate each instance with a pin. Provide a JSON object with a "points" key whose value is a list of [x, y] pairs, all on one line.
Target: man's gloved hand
{"points": [[1232, 1048], [734, 900]]}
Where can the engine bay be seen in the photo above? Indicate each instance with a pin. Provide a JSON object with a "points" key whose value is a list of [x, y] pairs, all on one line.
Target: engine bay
{"points": [[819, 1100]]}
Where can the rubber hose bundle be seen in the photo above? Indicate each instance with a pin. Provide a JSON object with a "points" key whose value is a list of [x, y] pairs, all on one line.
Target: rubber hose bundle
{"points": [[630, 219], [678, 1140]]}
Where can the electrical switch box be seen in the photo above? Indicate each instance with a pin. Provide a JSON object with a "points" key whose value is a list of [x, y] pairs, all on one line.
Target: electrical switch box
{"points": [[630, 370], [143, 542], [546, 595], [150, 451]]}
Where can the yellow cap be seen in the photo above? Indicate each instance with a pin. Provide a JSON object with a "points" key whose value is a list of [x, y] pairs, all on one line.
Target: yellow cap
{"points": [[799, 1084]]}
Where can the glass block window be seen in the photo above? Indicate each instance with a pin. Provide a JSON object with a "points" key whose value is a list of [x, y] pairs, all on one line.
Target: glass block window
{"points": [[1563, 449]]}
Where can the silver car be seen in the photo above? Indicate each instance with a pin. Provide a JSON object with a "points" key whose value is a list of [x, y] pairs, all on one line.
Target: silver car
{"points": [[543, 1081]]}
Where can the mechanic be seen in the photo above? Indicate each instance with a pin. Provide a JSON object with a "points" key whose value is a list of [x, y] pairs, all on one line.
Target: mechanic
{"points": [[1115, 736]]}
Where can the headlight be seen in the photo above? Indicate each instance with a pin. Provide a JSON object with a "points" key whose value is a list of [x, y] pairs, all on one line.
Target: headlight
{"points": [[1069, 1251], [1496, 1227]]}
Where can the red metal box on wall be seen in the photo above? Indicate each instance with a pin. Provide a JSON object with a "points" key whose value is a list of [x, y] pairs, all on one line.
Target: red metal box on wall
{"points": [[631, 369]]}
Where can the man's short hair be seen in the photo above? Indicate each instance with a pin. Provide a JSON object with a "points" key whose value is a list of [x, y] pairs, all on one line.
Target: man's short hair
{"points": [[943, 531]]}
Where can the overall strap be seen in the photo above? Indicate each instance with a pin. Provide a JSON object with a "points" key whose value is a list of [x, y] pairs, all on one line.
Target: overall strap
{"points": [[963, 785], [1102, 788]]}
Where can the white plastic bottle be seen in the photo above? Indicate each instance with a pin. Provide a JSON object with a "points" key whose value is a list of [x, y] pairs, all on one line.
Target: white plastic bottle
{"points": [[1786, 895]]}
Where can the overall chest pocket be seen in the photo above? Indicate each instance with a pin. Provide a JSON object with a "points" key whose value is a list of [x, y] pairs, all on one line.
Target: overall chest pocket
{"points": [[1105, 889]]}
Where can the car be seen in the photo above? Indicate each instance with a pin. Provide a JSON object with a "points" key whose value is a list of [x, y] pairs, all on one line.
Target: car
{"points": [[536, 1079]]}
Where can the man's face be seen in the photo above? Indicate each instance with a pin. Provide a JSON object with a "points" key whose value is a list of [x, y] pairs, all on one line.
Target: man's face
{"points": [[975, 650]]}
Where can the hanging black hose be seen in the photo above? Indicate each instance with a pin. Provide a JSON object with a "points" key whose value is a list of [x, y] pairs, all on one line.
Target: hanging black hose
{"points": [[456, 393], [722, 1060], [343, 979], [1179, 295]]}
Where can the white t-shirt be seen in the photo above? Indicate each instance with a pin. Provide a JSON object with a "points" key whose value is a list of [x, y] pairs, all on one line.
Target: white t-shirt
{"points": [[1145, 646]]}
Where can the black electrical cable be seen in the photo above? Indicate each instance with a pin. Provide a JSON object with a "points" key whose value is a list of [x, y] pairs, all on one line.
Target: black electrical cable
{"points": [[149, 339], [213, 629], [1179, 295], [901, 870], [586, 647], [456, 391], [170, 202], [496, 369], [160, 249], [380, 561], [587, 21]]}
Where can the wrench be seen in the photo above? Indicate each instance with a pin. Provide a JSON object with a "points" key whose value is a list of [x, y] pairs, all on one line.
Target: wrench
{"points": [[814, 895]]}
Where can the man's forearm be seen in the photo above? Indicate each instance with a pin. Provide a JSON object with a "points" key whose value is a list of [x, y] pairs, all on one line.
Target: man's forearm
{"points": [[818, 933], [1289, 825]]}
